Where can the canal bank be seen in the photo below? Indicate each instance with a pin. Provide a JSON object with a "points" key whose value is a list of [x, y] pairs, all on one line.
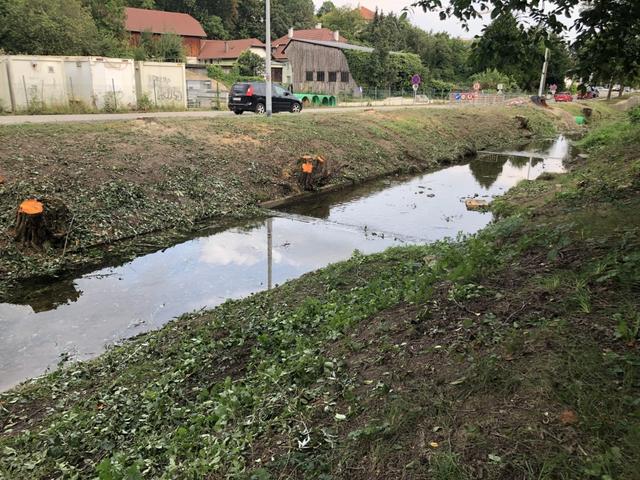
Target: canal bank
{"points": [[125, 180], [511, 354], [75, 318]]}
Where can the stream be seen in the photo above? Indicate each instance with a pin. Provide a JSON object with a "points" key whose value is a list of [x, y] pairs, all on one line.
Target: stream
{"points": [[77, 318]]}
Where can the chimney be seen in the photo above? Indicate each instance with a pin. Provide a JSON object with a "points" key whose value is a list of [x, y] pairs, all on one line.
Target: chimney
{"points": [[290, 32], [318, 26], [336, 36]]}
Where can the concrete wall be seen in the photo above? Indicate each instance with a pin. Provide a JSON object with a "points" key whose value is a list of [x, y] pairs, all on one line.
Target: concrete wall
{"points": [[97, 82], [164, 84], [36, 80], [114, 83], [5, 93]]}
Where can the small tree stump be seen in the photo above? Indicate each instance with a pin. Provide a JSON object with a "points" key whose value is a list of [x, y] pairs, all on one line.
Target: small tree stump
{"points": [[30, 227]]}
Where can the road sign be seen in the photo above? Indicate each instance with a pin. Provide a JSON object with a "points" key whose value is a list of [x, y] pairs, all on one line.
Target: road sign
{"points": [[416, 80], [415, 87], [553, 88], [476, 86], [458, 96]]}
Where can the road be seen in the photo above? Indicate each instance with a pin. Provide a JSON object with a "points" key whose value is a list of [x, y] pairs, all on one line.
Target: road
{"points": [[104, 117]]}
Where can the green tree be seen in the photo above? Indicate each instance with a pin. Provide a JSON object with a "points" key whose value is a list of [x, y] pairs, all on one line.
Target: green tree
{"points": [[250, 64], [214, 26], [48, 27], [325, 8], [346, 20]]}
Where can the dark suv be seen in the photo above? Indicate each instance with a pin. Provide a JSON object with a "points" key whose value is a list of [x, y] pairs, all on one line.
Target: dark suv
{"points": [[251, 97]]}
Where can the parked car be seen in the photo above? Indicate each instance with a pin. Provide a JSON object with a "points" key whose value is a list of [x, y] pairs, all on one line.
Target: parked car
{"points": [[251, 97], [563, 97]]}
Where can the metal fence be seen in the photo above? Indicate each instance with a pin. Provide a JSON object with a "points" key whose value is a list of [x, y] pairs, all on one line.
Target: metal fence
{"points": [[425, 95]]}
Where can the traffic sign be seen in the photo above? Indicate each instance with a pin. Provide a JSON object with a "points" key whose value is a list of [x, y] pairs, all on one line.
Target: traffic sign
{"points": [[553, 88], [416, 80], [458, 96], [476, 86], [415, 87]]}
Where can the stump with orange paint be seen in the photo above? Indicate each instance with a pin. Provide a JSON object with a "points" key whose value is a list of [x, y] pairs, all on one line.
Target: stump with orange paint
{"points": [[30, 227], [313, 172]]}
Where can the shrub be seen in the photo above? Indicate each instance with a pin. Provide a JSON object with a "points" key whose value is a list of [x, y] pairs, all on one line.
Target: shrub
{"points": [[634, 115], [491, 78]]}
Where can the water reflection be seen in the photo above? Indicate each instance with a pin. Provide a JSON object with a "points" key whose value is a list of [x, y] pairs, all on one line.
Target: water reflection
{"points": [[80, 316]]}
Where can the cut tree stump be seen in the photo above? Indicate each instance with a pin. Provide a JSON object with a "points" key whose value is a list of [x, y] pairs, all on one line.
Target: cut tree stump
{"points": [[30, 227]]}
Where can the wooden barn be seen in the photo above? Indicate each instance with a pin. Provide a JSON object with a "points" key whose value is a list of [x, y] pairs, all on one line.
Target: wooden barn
{"points": [[321, 66], [139, 20]]}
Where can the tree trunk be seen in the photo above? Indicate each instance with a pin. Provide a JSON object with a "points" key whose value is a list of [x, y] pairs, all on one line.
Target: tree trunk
{"points": [[30, 228], [610, 89], [621, 89]]}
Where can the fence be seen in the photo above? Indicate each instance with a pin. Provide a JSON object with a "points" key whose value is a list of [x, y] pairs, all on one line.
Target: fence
{"points": [[426, 95]]}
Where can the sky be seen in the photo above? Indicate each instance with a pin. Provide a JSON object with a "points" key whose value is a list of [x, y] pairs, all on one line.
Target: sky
{"points": [[429, 21]]}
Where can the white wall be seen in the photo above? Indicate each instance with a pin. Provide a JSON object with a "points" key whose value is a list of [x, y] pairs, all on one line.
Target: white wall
{"points": [[98, 82], [164, 84], [5, 93], [114, 82], [77, 72], [36, 79]]}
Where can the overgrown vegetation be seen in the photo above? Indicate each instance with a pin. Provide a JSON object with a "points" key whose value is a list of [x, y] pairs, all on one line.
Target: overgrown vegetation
{"points": [[510, 354]]}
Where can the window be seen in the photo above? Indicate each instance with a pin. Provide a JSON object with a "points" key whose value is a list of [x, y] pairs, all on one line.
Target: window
{"points": [[320, 76], [333, 77], [309, 77], [344, 77]]}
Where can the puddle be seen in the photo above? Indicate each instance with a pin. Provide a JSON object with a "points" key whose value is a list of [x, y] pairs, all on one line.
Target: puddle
{"points": [[78, 317]]}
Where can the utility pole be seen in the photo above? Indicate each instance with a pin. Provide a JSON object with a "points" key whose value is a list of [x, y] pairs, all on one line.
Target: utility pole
{"points": [[267, 21], [545, 65], [269, 252]]}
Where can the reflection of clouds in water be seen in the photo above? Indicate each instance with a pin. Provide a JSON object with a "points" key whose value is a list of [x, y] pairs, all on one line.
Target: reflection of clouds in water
{"points": [[235, 248]]}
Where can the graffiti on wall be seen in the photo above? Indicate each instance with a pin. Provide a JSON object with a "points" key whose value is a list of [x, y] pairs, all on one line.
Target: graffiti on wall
{"points": [[164, 91]]}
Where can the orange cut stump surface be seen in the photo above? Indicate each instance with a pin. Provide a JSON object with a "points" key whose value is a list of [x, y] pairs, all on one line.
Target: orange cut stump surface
{"points": [[307, 167], [31, 207]]}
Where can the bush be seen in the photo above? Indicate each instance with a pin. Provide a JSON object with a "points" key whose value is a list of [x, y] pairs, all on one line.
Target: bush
{"points": [[634, 115], [491, 78], [217, 73]]}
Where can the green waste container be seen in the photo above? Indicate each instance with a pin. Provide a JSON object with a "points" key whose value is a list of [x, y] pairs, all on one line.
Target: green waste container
{"points": [[580, 120]]}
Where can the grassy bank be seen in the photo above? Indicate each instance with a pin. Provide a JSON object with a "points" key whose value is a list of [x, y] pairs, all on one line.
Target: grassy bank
{"points": [[510, 354], [125, 179]]}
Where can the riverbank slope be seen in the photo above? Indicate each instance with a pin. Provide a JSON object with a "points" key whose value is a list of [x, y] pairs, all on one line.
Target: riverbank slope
{"points": [[123, 180], [510, 354]]}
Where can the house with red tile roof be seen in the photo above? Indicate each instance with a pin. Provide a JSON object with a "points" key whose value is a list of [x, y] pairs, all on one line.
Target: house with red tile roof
{"points": [[139, 20], [366, 14], [319, 34]]}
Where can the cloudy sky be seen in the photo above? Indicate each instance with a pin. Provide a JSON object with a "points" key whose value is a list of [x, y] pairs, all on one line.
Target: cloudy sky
{"points": [[428, 21]]}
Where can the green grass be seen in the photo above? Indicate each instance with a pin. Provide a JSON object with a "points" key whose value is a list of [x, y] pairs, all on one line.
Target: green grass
{"points": [[509, 354]]}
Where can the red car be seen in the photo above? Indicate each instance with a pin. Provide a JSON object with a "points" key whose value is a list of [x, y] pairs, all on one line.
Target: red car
{"points": [[563, 97]]}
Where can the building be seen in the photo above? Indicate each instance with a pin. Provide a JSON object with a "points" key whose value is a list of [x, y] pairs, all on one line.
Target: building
{"points": [[366, 14], [320, 66], [139, 20], [226, 53], [319, 33]]}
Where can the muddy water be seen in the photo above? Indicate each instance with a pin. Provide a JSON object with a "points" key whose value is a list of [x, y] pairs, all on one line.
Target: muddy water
{"points": [[76, 318]]}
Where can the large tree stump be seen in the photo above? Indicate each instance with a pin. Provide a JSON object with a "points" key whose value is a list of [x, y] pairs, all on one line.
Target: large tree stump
{"points": [[30, 227], [313, 172]]}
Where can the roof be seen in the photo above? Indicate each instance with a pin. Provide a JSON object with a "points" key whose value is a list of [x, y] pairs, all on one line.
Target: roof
{"points": [[340, 45], [157, 21], [321, 34], [367, 14], [227, 49]]}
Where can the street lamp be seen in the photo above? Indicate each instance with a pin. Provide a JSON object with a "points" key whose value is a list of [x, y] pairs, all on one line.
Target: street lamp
{"points": [[267, 21], [545, 65]]}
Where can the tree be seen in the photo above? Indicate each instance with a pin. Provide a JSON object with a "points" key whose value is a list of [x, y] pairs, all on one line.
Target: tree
{"points": [[48, 27], [491, 78], [346, 20], [250, 64], [325, 8], [503, 46], [214, 27], [163, 48]]}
